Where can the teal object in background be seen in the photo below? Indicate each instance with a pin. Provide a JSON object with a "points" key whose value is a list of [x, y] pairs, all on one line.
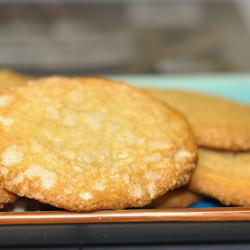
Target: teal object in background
{"points": [[232, 86]]}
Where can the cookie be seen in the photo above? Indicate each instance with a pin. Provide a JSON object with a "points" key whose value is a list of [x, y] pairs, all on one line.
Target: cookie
{"points": [[178, 198], [217, 123], [224, 176], [9, 78], [87, 144]]}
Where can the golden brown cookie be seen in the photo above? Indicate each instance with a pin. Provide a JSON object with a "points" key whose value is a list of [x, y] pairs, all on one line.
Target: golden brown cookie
{"points": [[10, 78], [217, 123], [89, 143], [178, 198], [224, 176]]}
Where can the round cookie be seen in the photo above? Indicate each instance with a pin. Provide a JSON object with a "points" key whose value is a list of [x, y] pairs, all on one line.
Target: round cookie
{"points": [[178, 198], [217, 123], [224, 176], [86, 144], [10, 78]]}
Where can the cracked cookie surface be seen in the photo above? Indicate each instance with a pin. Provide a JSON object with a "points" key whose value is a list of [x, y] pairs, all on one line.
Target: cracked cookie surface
{"points": [[87, 144]]}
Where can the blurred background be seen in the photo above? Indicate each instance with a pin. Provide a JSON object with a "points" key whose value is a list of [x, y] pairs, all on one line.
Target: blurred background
{"points": [[125, 37]]}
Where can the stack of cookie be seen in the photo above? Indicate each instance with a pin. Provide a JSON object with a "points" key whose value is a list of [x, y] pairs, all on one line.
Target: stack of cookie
{"points": [[222, 131], [87, 144]]}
